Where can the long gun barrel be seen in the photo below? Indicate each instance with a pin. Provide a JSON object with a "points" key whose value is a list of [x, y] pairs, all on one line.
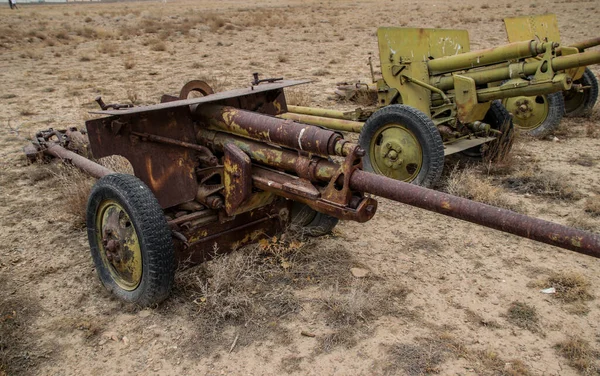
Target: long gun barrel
{"points": [[473, 59], [362, 181], [516, 70]]}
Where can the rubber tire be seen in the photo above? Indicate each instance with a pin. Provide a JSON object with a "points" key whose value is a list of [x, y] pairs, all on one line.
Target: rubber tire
{"points": [[311, 221], [156, 244], [556, 111], [424, 130], [497, 116], [591, 95]]}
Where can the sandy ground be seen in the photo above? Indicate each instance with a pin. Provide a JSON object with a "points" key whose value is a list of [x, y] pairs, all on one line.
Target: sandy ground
{"points": [[462, 288]]}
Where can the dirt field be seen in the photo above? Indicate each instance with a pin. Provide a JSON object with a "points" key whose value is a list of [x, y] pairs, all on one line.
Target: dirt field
{"points": [[441, 296]]}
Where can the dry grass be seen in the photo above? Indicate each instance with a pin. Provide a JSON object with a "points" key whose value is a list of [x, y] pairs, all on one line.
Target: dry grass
{"points": [[108, 47], [580, 355], [583, 222], [252, 288], [76, 186], [157, 45], [16, 315], [592, 130], [489, 362], [129, 63], [424, 357], [524, 316], [592, 206], [534, 180], [298, 97], [469, 183], [571, 287]]}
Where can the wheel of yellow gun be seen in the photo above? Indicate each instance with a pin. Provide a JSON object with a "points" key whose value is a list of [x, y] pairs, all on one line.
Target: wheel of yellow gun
{"points": [[195, 89], [402, 143], [499, 119], [581, 103], [538, 116], [130, 240], [310, 221]]}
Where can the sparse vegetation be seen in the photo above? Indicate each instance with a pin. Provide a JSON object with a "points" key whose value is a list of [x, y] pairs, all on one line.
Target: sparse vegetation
{"points": [[580, 355], [570, 286], [524, 316], [469, 183], [534, 180], [298, 97]]}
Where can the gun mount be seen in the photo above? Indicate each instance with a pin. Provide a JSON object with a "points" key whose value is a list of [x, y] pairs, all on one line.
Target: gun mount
{"points": [[440, 98], [221, 171], [540, 115]]}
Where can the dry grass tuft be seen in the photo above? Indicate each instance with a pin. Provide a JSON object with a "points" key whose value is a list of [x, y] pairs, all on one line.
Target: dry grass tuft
{"points": [[469, 183], [524, 316], [489, 362], [349, 310], [77, 187], [570, 287], [108, 47], [583, 223], [157, 45], [534, 180], [580, 355], [298, 97], [592, 130], [592, 206], [129, 63], [422, 358], [117, 163]]}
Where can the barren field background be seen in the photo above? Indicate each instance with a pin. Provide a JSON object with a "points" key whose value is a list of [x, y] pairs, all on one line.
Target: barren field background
{"points": [[439, 297]]}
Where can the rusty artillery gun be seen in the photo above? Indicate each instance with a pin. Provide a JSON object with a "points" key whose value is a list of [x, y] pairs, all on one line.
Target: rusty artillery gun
{"points": [[540, 115], [439, 98], [220, 171]]}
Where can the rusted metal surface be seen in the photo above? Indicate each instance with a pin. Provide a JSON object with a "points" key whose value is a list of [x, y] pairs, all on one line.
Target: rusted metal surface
{"points": [[237, 177], [197, 86], [475, 212], [238, 96], [211, 238], [92, 168], [287, 133], [299, 190], [314, 169], [167, 169], [207, 156]]}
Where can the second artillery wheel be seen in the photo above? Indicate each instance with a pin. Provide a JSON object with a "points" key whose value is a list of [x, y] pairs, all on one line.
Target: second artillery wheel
{"points": [[499, 119], [581, 103], [538, 116], [130, 240], [402, 143], [311, 221]]}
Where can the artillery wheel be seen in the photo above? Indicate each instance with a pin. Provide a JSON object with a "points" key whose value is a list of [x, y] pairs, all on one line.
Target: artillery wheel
{"points": [[311, 221], [500, 119], [196, 88], [130, 240], [402, 143], [539, 115], [581, 103]]}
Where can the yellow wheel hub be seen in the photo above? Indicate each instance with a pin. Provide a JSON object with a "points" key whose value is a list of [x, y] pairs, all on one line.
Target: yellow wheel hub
{"points": [[529, 112], [396, 153], [119, 245]]}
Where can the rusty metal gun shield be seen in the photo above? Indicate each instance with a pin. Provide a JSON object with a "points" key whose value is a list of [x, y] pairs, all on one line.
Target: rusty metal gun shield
{"points": [[167, 169]]}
